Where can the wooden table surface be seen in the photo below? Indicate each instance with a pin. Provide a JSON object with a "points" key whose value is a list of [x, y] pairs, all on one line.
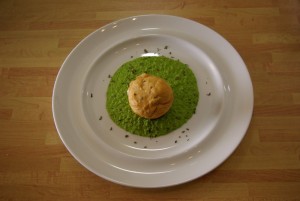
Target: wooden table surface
{"points": [[37, 35]]}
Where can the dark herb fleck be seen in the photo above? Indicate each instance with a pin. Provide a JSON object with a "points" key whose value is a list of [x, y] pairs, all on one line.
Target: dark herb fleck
{"points": [[145, 147], [91, 95], [145, 50], [126, 136], [170, 52], [111, 128], [166, 47], [131, 56], [109, 76], [187, 129], [135, 142], [100, 118], [208, 94], [182, 131], [175, 141]]}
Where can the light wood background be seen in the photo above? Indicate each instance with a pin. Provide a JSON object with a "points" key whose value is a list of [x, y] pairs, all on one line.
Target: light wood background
{"points": [[37, 35]]}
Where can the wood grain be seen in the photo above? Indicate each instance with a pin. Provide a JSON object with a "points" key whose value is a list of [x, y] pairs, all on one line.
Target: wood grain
{"points": [[35, 38]]}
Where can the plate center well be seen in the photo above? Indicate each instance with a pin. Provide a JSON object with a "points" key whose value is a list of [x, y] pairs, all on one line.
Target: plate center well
{"points": [[190, 134]]}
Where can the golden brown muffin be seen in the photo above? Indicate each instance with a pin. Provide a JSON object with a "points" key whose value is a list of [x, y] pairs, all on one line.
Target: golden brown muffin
{"points": [[150, 96]]}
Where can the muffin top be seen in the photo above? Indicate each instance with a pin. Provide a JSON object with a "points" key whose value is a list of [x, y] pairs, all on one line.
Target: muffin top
{"points": [[149, 96]]}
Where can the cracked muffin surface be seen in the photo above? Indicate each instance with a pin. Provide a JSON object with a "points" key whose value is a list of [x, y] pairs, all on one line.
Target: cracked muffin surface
{"points": [[149, 96]]}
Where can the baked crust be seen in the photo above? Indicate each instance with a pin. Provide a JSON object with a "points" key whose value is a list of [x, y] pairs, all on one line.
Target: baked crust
{"points": [[150, 96]]}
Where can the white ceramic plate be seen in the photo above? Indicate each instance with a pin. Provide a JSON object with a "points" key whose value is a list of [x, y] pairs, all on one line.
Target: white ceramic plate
{"points": [[205, 141]]}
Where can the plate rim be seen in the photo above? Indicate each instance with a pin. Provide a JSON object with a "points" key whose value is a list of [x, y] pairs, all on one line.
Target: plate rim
{"points": [[95, 32]]}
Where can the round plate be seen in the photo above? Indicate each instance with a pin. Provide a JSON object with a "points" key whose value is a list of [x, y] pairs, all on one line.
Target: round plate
{"points": [[222, 117]]}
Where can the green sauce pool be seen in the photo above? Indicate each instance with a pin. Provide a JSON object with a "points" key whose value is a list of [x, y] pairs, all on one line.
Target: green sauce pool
{"points": [[178, 75]]}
